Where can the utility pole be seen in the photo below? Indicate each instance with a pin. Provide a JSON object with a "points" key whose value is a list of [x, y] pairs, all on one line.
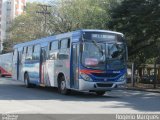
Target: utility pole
{"points": [[44, 11], [132, 75]]}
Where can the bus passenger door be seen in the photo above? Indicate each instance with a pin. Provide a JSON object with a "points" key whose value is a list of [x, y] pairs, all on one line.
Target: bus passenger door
{"points": [[18, 66], [19, 69], [74, 82], [43, 70]]}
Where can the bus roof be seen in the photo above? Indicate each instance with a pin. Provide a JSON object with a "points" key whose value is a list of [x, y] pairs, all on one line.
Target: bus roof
{"points": [[96, 30], [60, 36]]}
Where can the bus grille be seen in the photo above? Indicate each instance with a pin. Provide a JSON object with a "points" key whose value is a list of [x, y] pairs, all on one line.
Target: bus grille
{"points": [[104, 85], [108, 75]]}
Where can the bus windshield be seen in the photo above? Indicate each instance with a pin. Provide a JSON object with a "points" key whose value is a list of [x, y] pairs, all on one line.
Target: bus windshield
{"points": [[93, 55], [110, 56], [116, 56]]}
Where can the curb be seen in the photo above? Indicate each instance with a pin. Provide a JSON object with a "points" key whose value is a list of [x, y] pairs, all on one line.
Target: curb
{"points": [[146, 90]]}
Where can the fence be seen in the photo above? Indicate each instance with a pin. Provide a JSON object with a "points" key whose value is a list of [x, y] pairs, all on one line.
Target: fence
{"points": [[143, 76]]}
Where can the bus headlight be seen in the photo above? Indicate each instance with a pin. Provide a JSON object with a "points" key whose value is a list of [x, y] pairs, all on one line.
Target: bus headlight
{"points": [[122, 78], [86, 77]]}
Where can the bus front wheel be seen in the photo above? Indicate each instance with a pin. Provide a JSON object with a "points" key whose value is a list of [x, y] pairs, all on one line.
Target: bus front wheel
{"points": [[62, 86], [100, 93], [26, 80]]}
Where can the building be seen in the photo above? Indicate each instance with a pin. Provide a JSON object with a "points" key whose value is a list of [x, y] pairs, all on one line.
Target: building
{"points": [[18, 7], [9, 9], [0, 23]]}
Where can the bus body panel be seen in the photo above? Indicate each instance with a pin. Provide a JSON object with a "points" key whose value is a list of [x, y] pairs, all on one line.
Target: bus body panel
{"points": [[32, 69], [50, 65]]}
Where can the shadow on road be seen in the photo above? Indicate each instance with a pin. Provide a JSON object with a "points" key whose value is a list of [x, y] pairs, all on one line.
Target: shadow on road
{"points": [[138, 100]]}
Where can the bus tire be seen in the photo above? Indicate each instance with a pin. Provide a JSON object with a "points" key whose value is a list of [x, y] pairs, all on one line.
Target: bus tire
{"points": [[100, 93], [26, 80], [62, 86]]}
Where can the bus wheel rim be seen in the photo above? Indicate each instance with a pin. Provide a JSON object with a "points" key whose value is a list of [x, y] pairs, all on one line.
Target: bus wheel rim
{"points": [[63, 85]]}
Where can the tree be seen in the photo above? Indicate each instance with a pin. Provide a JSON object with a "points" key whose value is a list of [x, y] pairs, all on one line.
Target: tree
{"points": [[139, 20], [27, 26], [68, 15], [7, 47]]}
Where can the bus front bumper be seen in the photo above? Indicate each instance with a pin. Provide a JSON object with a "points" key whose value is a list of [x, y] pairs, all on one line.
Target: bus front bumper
{"points": [[100, 86]]}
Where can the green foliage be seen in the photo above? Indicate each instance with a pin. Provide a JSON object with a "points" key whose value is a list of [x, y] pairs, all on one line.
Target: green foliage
{"points": [[7, 46], [68, 15], [28, 26], [139, 20]]}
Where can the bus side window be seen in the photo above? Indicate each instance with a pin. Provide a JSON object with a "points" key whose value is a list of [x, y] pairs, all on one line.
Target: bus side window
{"points": [[23, 54], [36, 52], [29, 53], [54, 46], [15, 56], [65, 43], [24, 50], [69, 42]]}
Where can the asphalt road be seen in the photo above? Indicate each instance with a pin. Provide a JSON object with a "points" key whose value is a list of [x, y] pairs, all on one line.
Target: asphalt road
{"points": [[15, 98]]}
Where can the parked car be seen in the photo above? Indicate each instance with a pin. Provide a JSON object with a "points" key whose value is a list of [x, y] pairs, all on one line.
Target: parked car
{"points": [[147, 79]]}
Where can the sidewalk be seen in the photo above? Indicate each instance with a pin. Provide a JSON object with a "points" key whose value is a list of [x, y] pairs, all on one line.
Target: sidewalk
{"points": [[143, 87]]}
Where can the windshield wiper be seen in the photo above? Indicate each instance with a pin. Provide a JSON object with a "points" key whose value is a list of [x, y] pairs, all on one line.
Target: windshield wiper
{"points": [[96, 44]]}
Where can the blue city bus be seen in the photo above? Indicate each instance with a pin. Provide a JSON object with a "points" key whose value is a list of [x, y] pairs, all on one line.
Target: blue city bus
{"points": [[82, 60]]}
